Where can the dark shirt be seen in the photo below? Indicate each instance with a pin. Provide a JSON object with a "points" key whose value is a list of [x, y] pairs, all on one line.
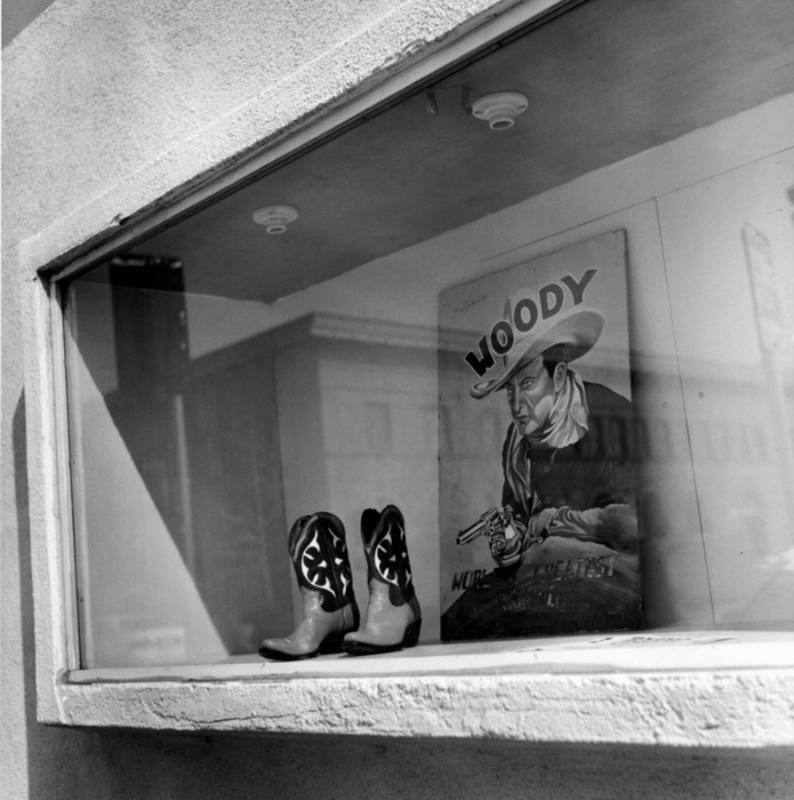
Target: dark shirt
{"points": [[594, 472], [583, 575]]}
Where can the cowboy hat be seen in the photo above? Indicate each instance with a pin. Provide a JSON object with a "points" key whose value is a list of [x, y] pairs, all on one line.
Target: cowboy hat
{"points": [[569, 335]]}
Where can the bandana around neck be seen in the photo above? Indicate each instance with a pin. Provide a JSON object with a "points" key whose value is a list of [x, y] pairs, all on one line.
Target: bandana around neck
{"points": [[567, 424]]}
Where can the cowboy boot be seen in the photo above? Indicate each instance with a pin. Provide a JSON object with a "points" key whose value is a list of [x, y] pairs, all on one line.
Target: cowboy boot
{"points": [[393, 618], [319, 554]]}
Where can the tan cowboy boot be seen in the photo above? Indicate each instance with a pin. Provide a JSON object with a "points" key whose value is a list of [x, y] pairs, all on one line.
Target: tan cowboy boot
{"points": [[319, 554], [393, 618]]}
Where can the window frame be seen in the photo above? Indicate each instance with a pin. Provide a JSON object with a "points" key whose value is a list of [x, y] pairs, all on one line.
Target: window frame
{"points": [[526, 691]]}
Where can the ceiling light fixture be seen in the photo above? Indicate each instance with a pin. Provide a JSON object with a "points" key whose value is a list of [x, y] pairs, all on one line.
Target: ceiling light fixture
{"points": [[275, 219], [500, 109]]}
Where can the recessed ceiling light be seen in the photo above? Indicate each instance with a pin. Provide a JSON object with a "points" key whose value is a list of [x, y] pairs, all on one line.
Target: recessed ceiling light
{"points": [[500, 109], [275, 219]]}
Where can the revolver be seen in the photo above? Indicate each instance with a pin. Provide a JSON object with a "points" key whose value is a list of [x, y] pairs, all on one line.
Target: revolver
{"points": [[493, 523]]}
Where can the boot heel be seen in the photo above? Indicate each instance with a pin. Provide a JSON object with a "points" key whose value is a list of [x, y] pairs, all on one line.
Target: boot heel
{"points": [[331, 644], [411, 636]]}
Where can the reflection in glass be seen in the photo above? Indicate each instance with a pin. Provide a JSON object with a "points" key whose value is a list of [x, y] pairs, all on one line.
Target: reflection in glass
{"points": [[222, 383], [175, 482], [187, 470]]}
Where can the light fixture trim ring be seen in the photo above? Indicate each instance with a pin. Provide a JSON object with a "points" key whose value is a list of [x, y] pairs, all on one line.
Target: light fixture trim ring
{"points": [[500, 109], [275, 219]]}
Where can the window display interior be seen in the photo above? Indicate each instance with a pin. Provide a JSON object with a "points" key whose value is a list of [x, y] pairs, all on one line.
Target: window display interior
{"points": [[248, 390]]}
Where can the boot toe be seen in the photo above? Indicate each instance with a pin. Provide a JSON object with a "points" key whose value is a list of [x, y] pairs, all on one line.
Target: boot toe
{"points": [[369, 642], [281, 650]]}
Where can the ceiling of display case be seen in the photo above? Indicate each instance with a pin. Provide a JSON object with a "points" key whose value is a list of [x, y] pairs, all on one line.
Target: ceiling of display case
{"points": [[606, 81]]}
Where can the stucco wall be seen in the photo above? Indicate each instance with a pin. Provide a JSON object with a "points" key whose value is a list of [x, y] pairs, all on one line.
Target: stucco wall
{"points": [[107, 107]]}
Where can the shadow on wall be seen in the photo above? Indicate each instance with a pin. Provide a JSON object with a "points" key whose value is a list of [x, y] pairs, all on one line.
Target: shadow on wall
{"points": [[25, 576], [59, 762], [17, 16]]}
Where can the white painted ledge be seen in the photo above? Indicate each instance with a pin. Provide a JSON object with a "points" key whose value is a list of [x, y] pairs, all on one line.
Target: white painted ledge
{"points": [[720, 689]]}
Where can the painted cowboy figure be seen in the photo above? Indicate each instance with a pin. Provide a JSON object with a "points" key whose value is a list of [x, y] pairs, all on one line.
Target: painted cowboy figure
{"points": [[568, 561]]}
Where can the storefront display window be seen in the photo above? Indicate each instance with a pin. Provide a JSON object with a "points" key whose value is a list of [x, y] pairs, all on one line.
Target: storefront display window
{"points": [[356, 329]]}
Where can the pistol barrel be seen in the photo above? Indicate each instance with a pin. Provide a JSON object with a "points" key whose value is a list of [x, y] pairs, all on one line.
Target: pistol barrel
{"points": [[472, 532], [484, 525]]}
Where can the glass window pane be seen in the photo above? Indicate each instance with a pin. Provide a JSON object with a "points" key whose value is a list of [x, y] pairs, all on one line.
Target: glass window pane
{"points": [[225, 382]]}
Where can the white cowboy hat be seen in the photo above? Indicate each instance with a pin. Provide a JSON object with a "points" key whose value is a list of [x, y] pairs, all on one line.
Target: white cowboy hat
{"points": [[570, 334]]}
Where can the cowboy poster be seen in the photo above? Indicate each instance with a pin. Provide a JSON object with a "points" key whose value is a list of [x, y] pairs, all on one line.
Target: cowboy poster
{"points": [[537, 472]]}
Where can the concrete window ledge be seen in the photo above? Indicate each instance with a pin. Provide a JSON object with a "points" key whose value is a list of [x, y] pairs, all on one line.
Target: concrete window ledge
{"points": [[714, 689]]}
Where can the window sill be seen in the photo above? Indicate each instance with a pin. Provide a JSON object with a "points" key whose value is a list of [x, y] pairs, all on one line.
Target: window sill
{"points": [[715, 689]]}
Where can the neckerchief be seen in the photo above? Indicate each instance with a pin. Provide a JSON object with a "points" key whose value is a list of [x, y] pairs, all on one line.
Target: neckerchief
{"points": [[567, 423]]}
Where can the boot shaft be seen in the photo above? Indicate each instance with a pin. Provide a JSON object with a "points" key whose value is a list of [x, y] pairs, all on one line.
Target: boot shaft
{"points": [[386, 549], [319, 555]]}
